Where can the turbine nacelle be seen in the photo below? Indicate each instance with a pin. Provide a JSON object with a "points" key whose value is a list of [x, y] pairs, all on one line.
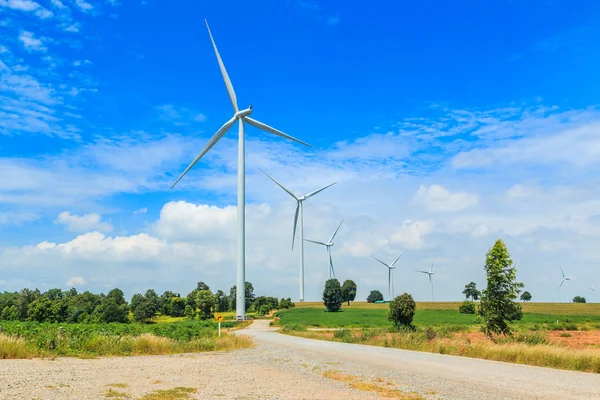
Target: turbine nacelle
{"points": [[243, 113]]}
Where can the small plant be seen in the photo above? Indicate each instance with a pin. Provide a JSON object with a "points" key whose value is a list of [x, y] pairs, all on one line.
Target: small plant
{"points": [[430, 333], [344, 335], [565, 334], [467, 307], [402, 310]]}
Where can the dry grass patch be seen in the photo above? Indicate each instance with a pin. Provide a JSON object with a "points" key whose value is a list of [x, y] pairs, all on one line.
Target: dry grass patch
{"points": [[114, 394], [118, 385], [16, 347], [356, 383], [178, 393]]}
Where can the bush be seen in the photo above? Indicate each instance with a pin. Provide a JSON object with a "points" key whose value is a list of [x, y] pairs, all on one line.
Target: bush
{"points": [[430, 333], [467, 307], [402, 310], [286, 303], [264, 309], [332, 295], [374, 296]]}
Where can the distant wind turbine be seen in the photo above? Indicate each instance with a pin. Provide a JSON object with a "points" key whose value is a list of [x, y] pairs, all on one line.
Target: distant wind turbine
{"points": [[429, 273], [240, 116], [565, 280], [299, 215], [391, 267], [593, 291], [328, 244]]}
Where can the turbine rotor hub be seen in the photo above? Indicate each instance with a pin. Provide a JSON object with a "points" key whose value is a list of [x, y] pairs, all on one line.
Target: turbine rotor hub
{"points": [[243, 113]]}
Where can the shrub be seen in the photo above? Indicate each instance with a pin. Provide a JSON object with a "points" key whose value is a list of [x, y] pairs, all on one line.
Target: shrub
{"points": [[264, 309], [467, 307], [374, 296], [332, 295], [402, 310], [286, 303], [430, 333]]}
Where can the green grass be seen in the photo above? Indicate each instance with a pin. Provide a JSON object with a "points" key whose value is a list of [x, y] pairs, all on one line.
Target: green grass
{"points": [[32, 339]]}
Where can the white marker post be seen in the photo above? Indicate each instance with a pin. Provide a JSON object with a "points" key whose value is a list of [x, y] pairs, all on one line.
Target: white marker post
{"points": [[219, 319]]}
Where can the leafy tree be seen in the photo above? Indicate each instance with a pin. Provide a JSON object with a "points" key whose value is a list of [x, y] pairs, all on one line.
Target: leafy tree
{"points": [[332, 295], [402, 310], [578, 299], [202, 286], [112, 308], [286, 303], [221, 301], [374, 296], [190, 312], [467, 307], [249, 297], [145, 307], [54, 294], [166, 302], [349, 291], [526, 296], [471, 291], [117, 295], [268, 301], [498, 307], [40, 310], [10, 313], [177, 308], [264, 309], [205, 301]]}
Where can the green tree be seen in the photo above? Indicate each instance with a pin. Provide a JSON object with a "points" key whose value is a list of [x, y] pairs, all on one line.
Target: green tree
{"points": [[202, 286], [166, 302], [250, 297], [178, 305], [205, 301], [526, 296], [471, 291], [332, 295], [374, 296], [40, 310], [402, 310], [498, 307], [189, 312], [286, 303], [349, 290], [467, 307], [112, 308], [221, 301], [578, 299]]}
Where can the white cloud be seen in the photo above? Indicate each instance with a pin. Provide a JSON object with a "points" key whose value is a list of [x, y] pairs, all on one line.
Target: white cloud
{"points": [[31, 43], [412, 234], [27, 6], [143, 210], [522, 191], [83, 223], [83, 5], [75, 281], [436, 198]]}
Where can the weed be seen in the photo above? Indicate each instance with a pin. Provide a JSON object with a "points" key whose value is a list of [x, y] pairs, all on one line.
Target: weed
{"points": [[178, 393], [358, 384], [113, 394]]}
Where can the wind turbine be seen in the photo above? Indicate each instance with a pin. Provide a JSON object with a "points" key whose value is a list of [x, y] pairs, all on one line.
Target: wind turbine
{"points": [[565, 280], [391, 268], [430, 273], [593, 291], [328, 244], [299, 214], [240, 116]]}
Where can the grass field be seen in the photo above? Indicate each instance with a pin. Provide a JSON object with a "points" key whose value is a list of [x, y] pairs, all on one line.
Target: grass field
{"points": [[32, 339], [539, 340]]}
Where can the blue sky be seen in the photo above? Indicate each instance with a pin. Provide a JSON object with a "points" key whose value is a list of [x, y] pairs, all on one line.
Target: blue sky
{"points": [[445, 125]]}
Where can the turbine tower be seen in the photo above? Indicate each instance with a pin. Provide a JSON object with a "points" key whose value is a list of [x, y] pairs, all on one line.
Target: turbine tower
{"points": [[328, 244], [240, 116], [593, 292], [391, 267], [565, 280], [299, 214], [430, 273]]}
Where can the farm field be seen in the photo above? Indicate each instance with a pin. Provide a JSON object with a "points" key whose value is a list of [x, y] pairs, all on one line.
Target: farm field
{"points": [[33, 339], [565, 336]]}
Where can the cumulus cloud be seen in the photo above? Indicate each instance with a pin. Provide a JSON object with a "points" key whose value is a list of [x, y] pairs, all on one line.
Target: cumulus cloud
{"points": [[412, 234], [32, 43], [436, 198], [27, 6], [83, 223]]}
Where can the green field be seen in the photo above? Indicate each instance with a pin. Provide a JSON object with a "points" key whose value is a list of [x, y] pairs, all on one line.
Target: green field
{"points": [[368, 315]]}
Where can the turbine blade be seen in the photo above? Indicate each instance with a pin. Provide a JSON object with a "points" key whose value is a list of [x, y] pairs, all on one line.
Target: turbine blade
{"points": [[336, 231], [311, 194], [213, 140], [561, 270], [424, 272], [228, 84], [295, 223], [394, 263], [267, 128], [280, 185], [431, 268], [314, 241], [561, 283], [380, 261]]}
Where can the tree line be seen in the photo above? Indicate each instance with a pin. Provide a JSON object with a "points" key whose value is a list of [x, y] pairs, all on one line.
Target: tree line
{"points": [[70, 306]]}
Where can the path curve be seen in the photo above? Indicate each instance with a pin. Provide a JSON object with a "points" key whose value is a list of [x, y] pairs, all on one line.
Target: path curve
{"points": [[451, 376]]}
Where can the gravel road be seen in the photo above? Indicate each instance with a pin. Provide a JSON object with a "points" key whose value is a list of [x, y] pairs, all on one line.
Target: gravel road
{"points": [[285, 367]]}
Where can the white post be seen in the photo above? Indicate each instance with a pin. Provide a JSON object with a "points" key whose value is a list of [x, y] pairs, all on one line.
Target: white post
{"points": [[240, 301], [301, 254], [219, 328]]}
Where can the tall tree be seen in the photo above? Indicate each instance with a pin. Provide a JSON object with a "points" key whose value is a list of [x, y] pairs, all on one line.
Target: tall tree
{"points": [[471, 291], [332, 295], [349, 290], [249, 296], [221, 301], [205, 301], [498, 307]]}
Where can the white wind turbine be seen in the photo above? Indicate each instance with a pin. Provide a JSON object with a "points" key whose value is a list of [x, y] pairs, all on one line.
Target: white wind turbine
{"points": [[299, 214], [240, 116], [593, 292], [328, 244], [565, 280], [430, 273], [391, 267]]}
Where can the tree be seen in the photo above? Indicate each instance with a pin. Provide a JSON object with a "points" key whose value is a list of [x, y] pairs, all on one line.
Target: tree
{"points": [[205, 301], [578, 299], [402, 310], [221, 301], [526, 296], [349, 291], [471, 291], [249, 296], [498, 307], [374, 296], [332, 295], [286, 303], [166, 302], [202, 286], [467, 307]]}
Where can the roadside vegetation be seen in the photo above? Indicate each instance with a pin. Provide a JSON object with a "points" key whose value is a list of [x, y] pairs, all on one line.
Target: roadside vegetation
{"points": [[497, 327]]}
